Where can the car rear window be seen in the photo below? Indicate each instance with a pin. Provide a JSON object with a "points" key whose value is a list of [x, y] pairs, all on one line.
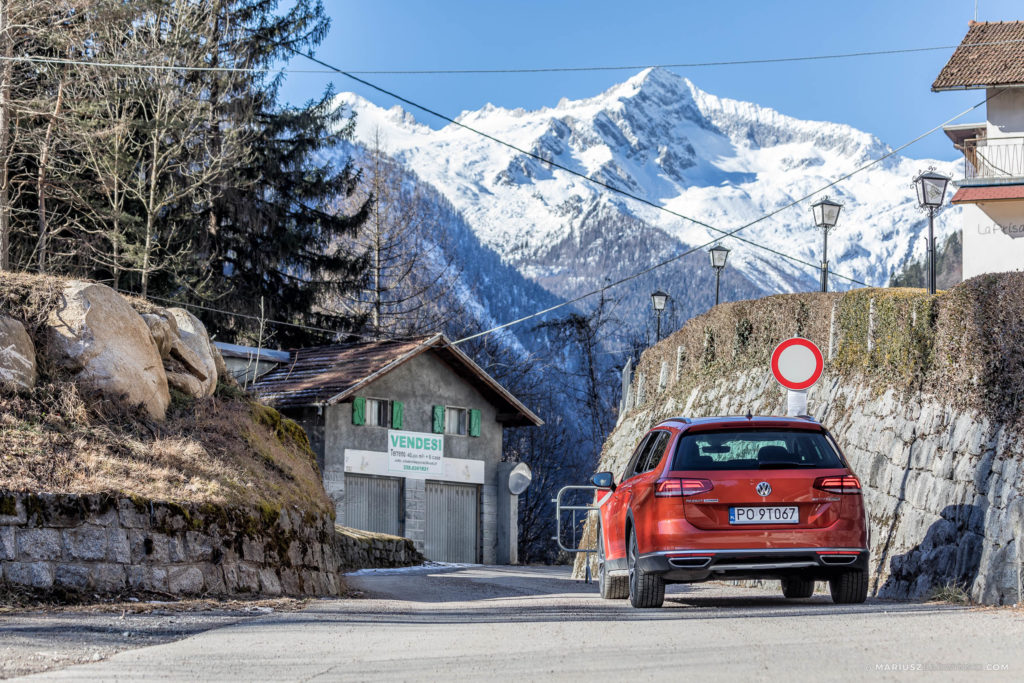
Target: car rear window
{"points": [[754, 449]]}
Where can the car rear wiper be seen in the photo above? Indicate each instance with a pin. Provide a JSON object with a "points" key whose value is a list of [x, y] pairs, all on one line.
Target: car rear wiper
{"points": [[781, 465]]}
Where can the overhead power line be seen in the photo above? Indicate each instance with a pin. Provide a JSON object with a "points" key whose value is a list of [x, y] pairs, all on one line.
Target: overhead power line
{"points": [[724, 234], [731, 233], [584, 176], [537, 70]]}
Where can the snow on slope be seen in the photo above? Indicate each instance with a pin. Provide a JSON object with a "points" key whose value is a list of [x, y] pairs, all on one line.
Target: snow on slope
{"points": [[659, 137]]}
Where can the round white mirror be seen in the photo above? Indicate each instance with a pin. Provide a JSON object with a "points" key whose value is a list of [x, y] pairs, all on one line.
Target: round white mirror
{"points": [[519, 479]]}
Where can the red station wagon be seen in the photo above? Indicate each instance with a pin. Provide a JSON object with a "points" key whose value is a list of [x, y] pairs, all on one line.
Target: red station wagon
{"points": [[733, 498]]}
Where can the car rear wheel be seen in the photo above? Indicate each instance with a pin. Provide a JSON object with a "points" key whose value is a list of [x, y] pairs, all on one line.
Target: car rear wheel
{"points": [[797, 587], [612, 587], [849, 587], [645, 589]]}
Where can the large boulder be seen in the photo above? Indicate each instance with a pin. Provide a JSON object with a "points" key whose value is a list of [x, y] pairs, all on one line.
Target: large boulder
{"points": [[98, 336], [202, 363], [17, 355]]}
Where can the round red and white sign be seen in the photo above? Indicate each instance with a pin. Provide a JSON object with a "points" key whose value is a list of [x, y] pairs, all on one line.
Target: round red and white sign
{"points": [[797, 363]]}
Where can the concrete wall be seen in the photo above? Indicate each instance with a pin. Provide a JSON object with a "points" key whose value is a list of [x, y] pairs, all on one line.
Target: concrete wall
{"points": [[992, 248], [1006, 113], [420, 384]]}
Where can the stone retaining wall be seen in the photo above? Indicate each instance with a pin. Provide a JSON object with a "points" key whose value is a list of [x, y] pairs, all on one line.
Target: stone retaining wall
{"points": [[923, 395], [109, 544], [362, 549]]}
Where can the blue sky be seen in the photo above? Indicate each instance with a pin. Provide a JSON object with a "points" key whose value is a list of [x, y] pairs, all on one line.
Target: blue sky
{"points": [[888, 96]]}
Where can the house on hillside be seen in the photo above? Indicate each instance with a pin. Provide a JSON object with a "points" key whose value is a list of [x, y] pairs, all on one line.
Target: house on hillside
{"points": [[408, 436], [991, 188]]}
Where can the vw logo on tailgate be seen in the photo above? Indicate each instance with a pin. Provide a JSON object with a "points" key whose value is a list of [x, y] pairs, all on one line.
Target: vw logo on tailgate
{"points": [[764, 489]]}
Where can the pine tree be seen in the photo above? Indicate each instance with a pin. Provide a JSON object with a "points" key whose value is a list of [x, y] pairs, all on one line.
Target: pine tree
{"points": [[269, 232]]}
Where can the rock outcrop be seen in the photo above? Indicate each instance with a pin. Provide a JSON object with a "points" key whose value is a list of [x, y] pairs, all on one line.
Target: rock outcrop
{"points": [[97, 336], [190, 360], [17, 355], [202, 363]]}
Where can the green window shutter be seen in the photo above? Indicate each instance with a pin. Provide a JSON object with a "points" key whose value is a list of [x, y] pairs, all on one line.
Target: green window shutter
{"points": [[439, 419], [397, 413], [474, 423], [359, 410]]}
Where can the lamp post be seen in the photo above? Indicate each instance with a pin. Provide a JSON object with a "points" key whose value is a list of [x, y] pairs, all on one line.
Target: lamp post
{"points": [[931, 192], [658, 300], [719, 254], [826, 215]]}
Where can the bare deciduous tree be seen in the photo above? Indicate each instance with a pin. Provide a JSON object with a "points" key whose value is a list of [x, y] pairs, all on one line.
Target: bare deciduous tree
{"points": [[411, 278]]}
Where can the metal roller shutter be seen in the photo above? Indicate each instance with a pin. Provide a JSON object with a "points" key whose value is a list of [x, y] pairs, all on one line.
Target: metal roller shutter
{"points": [[373, 503], [452, 522]]}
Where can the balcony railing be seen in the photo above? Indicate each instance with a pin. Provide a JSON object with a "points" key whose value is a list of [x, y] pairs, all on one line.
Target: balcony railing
{"points": [[995, 160]]}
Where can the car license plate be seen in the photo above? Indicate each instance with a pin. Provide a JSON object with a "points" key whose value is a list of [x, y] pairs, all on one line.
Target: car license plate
{"points": [[764, 514]]}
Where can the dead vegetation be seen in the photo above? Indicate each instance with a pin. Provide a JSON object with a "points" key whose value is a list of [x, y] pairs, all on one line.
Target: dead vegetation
{"points": [[224, 450]]}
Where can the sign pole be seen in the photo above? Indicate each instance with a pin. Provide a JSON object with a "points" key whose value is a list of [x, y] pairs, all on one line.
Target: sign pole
{"points": [[796, 403]]}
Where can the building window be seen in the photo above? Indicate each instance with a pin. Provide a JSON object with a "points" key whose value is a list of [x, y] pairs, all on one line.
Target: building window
{"points": [[455, 421], [378, 412]]}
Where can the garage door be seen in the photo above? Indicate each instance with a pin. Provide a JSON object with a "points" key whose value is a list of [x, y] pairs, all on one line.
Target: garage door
{"points": [[452, 515], [373, 503]]}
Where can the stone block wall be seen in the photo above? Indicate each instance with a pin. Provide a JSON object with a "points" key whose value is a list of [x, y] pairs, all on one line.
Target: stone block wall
{"points": [[110, 544], [922, 394], [364, 549]]}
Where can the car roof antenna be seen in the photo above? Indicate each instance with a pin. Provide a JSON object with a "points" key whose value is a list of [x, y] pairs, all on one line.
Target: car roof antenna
{"points": [[749, 415]]}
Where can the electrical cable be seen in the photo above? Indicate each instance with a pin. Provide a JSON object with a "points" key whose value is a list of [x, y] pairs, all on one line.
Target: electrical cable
{"points": [[742, 227], [558, 69], [723, 233], [594, 181]]}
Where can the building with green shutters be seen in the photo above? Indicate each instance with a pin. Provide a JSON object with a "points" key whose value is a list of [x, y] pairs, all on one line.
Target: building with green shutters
{"points": [[408, 436]]}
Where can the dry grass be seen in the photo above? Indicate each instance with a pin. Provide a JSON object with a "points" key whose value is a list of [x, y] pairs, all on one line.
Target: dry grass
{"points": [[225, 450], [952, 594], [207, 451]]}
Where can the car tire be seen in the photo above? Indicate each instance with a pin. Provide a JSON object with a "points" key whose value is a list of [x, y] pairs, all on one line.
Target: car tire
{"points": [[795, 587], [645, 589], [611, 587], [849, 588]]}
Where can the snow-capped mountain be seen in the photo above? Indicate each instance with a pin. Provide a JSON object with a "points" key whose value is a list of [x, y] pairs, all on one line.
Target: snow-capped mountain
{"points": [[659, 137]]}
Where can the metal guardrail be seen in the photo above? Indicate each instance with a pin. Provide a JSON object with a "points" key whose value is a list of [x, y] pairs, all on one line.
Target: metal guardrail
{"points": [[586, 509], [993, 158]]}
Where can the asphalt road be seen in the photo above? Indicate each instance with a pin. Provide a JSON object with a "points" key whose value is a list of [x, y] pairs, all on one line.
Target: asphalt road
{"points": [[496, 623]]}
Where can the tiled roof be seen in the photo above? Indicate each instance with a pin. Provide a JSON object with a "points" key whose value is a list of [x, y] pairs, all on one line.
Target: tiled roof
{"points": [[988, 193], [318, 374], [331, 374], [986, 57]]}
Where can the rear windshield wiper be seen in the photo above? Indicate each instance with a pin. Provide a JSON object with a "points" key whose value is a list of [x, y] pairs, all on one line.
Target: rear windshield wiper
{"points": [[782, 465]]}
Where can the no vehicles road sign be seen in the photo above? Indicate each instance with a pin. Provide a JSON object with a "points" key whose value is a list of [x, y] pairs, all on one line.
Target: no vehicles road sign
{"points": [[797, 363]]}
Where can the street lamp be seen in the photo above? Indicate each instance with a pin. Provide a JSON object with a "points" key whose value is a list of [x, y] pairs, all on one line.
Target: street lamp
{"points": [[931, 192], [658, 300], [826, 215], [719, 254]]}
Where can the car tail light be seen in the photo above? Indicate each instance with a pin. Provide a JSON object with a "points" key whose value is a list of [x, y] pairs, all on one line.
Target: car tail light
{"points": [[843, 484], [681, 487]]}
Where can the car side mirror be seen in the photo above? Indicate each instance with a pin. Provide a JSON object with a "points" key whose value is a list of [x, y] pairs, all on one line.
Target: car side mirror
{"points": [[603, 480]]}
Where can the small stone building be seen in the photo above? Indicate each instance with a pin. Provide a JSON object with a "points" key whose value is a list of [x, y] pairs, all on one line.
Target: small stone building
{"points": [[408, 435]]}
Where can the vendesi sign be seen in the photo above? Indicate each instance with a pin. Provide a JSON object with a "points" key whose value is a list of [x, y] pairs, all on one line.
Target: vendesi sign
{"points": [[414, 453]]}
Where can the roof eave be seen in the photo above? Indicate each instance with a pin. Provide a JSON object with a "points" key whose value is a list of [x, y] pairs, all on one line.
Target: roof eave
{"points": [[401, 360], [527, 414], [978, 86]]}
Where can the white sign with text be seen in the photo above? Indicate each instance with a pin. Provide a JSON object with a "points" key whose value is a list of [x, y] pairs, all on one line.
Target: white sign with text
{"points": [[376, 463], [415, 453]]}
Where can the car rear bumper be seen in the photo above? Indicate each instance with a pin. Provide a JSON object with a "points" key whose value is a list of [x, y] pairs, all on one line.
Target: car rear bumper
{"points": [[753, 563]]}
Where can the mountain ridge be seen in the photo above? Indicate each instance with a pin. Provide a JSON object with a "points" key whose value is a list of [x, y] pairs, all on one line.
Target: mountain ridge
{"points": [[658, 136]]}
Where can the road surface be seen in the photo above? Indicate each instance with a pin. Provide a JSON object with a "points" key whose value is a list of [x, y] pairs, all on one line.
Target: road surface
{"points": [[509, 623]]}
